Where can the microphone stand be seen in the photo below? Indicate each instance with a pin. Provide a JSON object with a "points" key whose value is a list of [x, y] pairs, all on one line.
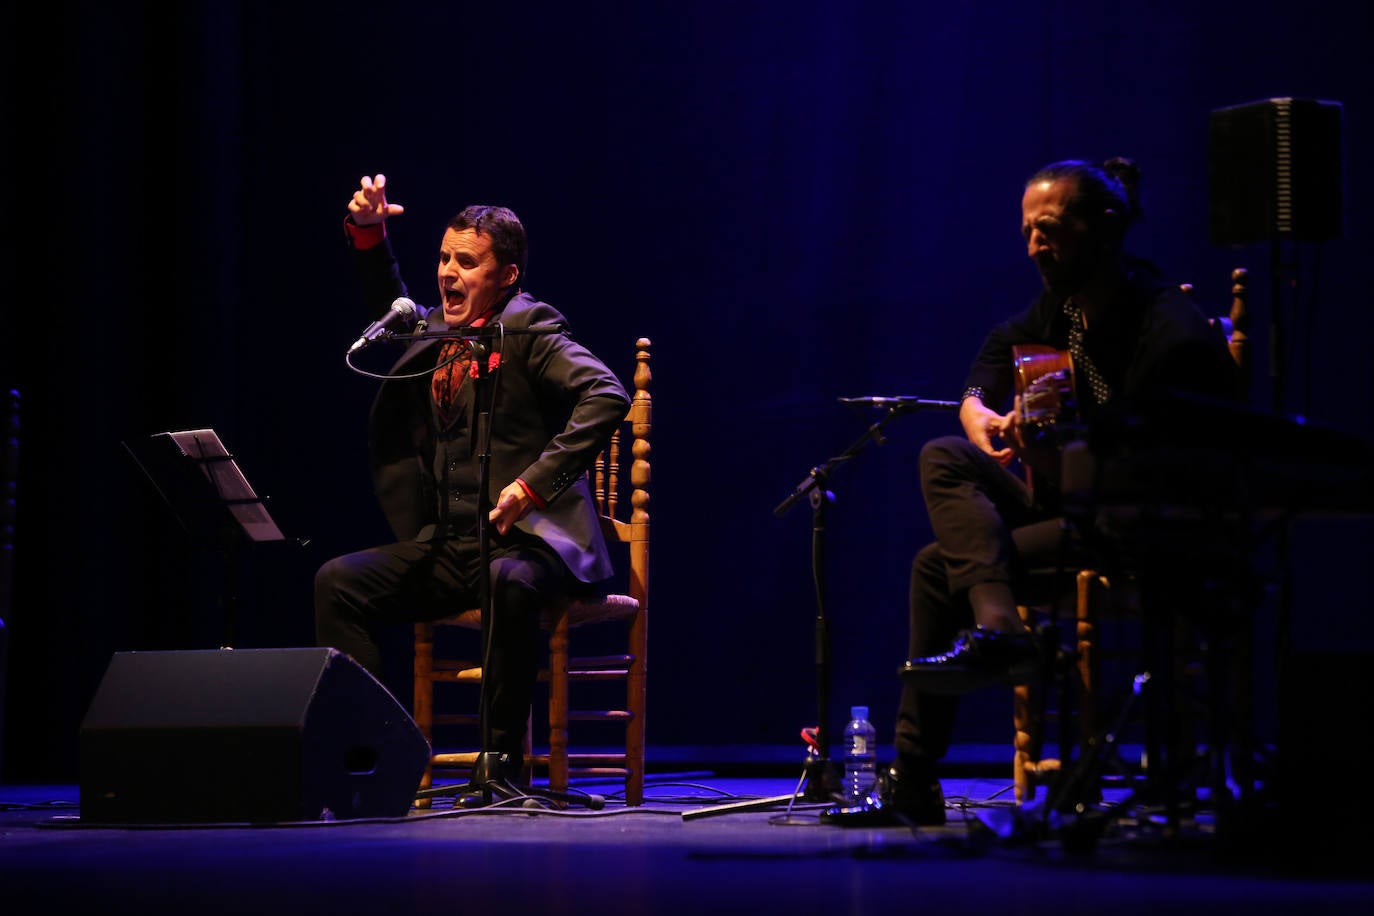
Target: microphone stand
{"points": [[487, 782], [821, 775]]}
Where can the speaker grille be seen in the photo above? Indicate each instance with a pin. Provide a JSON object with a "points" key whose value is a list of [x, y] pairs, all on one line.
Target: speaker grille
{"points": [[1275, 171]]}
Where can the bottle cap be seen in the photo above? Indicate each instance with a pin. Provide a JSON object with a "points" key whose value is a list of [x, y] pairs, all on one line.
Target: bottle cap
{"points": [[858, 712]]}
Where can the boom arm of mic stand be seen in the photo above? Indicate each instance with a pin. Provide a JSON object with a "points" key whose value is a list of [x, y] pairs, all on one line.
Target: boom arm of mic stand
{"points": [[895, 407], [822, 472], [911, 405], [485, 332]]}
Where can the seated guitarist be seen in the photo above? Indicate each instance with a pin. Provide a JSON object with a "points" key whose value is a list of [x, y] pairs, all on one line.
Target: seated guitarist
{"points": [[1129, 333]]}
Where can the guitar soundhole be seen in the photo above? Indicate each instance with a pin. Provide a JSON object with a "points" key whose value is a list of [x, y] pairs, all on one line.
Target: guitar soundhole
{"points": [[1045, 383], [1049, 399]]}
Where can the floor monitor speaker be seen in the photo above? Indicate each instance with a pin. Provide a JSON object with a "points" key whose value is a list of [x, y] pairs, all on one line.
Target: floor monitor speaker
{"points": [[255, 735]]}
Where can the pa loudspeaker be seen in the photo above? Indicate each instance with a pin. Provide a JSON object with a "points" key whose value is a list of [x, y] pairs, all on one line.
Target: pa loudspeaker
{"points": [[1275, 172], [227, 735]]}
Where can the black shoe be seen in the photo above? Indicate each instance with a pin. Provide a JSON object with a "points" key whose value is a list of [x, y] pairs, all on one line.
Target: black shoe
{"points": [[978, 658], [899, 800]]}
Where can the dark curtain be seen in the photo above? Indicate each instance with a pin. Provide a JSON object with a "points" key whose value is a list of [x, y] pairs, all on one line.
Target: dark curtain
{"points": [[795, 201]]}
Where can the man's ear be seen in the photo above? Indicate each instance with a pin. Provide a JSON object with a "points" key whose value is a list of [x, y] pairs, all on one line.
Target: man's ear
{"points": [[509, 274]]}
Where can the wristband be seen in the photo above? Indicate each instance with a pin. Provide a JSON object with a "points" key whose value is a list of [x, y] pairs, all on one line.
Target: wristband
{"points": [[973, 391], [364, 237], [529, 491]]}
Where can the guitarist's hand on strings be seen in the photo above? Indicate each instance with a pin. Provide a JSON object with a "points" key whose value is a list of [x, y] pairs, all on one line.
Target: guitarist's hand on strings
{"points": [[1011, 429], [1036, 451], [981, 424]]}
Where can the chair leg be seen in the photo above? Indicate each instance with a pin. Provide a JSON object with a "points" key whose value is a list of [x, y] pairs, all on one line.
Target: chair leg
{"points": [[1024, 699], [1086, 639], [636, 704], [558, 704], [423, 701], [1090, 754]]}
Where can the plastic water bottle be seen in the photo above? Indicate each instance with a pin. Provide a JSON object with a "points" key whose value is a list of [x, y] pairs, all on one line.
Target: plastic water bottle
{"points": [[860, 755]]}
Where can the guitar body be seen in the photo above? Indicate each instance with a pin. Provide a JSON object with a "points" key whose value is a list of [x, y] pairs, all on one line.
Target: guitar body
{"points": [[1044, 387]]}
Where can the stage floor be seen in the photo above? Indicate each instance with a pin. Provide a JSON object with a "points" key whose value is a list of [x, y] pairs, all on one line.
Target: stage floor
{"points": [[727, 839]]}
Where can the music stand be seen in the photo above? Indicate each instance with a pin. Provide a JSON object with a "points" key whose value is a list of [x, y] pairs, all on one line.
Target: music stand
{"points": [[208, 495]]}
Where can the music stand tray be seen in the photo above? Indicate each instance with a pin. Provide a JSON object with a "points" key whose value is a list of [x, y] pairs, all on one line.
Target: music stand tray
{"points": [[201, 483]]}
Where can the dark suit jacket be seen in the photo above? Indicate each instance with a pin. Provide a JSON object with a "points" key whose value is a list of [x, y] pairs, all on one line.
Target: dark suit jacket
{"points": [[555, 407]]}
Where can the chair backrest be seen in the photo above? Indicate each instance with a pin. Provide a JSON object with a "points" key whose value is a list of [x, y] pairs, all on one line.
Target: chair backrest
{"points": [[630, 526], [1236, 323]]}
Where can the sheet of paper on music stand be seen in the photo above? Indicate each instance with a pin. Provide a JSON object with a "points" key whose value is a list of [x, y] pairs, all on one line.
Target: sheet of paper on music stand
{"points": [[206, 449]]}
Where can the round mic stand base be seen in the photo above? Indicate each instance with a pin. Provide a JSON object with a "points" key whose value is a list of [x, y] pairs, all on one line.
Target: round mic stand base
{"points": [[820, 775], [489, 785]]}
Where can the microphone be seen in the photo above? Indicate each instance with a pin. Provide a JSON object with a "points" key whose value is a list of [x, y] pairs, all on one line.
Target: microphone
{"points": [[402, 312], [902, 404]]}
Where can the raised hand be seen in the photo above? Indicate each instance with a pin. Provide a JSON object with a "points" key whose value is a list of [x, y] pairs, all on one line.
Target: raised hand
{"points": [[368, 206]]}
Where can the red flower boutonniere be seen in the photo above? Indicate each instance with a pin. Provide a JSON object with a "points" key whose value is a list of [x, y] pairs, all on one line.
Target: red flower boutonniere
{"points": [[493, 363]]}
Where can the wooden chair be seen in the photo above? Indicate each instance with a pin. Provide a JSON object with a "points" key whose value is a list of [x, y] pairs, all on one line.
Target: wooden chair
{"points": [[627, 456], [1092, 594]]}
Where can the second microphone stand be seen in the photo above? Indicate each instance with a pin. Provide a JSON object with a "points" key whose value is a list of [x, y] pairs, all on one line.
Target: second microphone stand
{"points": [[821, 781]]}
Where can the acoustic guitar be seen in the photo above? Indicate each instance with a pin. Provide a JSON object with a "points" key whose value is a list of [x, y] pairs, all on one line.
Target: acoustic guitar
{"points": [[1046, 401], [1044, 387]]}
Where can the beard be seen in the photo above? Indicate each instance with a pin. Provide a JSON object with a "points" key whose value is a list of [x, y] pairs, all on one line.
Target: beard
{"points": [[1065, 278]]}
